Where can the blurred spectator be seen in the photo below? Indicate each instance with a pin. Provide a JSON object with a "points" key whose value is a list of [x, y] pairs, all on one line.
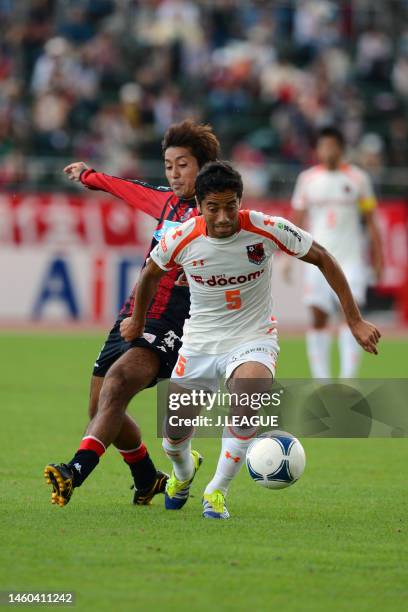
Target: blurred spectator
{"points": [[374, 55], [35, 31], [50, 112], [130, 96], [76, 27], [400, 76], [54, 68], [281, 81], [315, 25]]}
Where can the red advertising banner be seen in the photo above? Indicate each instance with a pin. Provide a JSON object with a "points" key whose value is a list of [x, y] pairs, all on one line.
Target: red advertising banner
{"points": [[101, 221], [394, 231], [61, 220]]}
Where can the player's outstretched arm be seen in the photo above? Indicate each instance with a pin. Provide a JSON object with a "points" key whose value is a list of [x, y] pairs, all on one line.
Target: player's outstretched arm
{"points": [[132, 327], [137, 194], [366, 334]]}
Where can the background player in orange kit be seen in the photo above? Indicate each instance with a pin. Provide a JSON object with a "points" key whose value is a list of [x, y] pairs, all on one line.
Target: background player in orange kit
{"points": [[336, 199]]}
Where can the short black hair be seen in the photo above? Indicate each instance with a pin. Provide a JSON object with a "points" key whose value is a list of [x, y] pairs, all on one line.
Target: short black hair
{"points": [[217, 177], [330, 131], [199, 138]]}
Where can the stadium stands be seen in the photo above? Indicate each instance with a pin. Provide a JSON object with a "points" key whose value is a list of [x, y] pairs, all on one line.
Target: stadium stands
{"points": [[102, 79]]}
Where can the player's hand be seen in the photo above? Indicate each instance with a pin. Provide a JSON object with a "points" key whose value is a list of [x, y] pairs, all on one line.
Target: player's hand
{"points": [[74, 171], [130, 330], [367, 335]]}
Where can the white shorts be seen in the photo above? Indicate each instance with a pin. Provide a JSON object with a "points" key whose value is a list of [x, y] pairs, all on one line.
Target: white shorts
{"points": [[197, 371], [317, 291]]}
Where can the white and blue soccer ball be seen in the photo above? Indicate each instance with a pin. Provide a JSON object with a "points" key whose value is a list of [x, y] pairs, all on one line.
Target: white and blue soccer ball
{"points": [[275, 460]]}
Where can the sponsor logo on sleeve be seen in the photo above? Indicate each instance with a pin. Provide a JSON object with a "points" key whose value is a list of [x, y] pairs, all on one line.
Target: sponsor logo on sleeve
{"points": [[289, 229]]}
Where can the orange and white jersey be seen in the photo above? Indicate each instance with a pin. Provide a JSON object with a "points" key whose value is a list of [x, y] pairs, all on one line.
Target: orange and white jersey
{"points": [[229, 278], [334, 201]]}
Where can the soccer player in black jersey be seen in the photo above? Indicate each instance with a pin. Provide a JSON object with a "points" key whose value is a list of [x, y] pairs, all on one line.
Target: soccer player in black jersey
{"points": [[122, 369]]}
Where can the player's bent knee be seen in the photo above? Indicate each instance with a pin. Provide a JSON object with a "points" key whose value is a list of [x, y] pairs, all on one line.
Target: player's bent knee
{"points": [[137, 367], [250, 378], [252, 370], [131, 373]]}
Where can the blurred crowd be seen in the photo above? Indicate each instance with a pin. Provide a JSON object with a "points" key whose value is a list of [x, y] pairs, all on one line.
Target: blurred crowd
{"points": [[101, 80]]}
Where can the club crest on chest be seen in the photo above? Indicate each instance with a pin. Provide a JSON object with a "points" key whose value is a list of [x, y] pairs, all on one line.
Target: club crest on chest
{"points": [[256, 253]]}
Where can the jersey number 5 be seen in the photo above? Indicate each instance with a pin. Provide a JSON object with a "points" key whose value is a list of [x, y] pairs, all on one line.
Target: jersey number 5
{"points": [[233, 299]]}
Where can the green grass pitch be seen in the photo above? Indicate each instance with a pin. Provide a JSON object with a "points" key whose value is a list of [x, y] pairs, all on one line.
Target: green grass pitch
{"points": [[337, 540]]}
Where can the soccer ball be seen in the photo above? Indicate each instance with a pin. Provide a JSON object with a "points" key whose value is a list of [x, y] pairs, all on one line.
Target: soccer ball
{"points": [[275, 460]]}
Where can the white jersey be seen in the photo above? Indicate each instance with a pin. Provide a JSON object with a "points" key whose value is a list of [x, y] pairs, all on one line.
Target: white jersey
{"points": [[334, 201], [229, 278]]}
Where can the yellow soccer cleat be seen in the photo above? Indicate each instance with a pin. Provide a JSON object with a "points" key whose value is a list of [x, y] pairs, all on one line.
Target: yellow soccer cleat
{"points": [[214, 505], [143, 497], [177, 491], [62, 480]]}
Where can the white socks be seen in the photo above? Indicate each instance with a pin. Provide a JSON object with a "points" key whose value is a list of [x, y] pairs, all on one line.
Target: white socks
{"points": [[318, 343], [232, 457], [350, 353], [179, 454]]}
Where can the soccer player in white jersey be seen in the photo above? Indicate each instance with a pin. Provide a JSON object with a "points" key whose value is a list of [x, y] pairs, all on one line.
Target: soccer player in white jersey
{"points": [[338, 199], [227, 257]]}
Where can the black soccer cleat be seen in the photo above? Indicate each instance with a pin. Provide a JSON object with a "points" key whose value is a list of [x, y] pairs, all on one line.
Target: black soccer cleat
{"points": [[143, 497], [62, 480]]}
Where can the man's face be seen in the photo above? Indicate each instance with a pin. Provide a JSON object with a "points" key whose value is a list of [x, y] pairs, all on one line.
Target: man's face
{"points": [[220, 211], [329, 151], [181, 171]]}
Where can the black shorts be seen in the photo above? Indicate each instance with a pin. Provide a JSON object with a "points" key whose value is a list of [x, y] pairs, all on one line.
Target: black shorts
{"points": [[160, 339]]}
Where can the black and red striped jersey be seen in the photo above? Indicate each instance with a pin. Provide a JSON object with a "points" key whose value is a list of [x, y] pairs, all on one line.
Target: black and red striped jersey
{"points": [[171, 303]]}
